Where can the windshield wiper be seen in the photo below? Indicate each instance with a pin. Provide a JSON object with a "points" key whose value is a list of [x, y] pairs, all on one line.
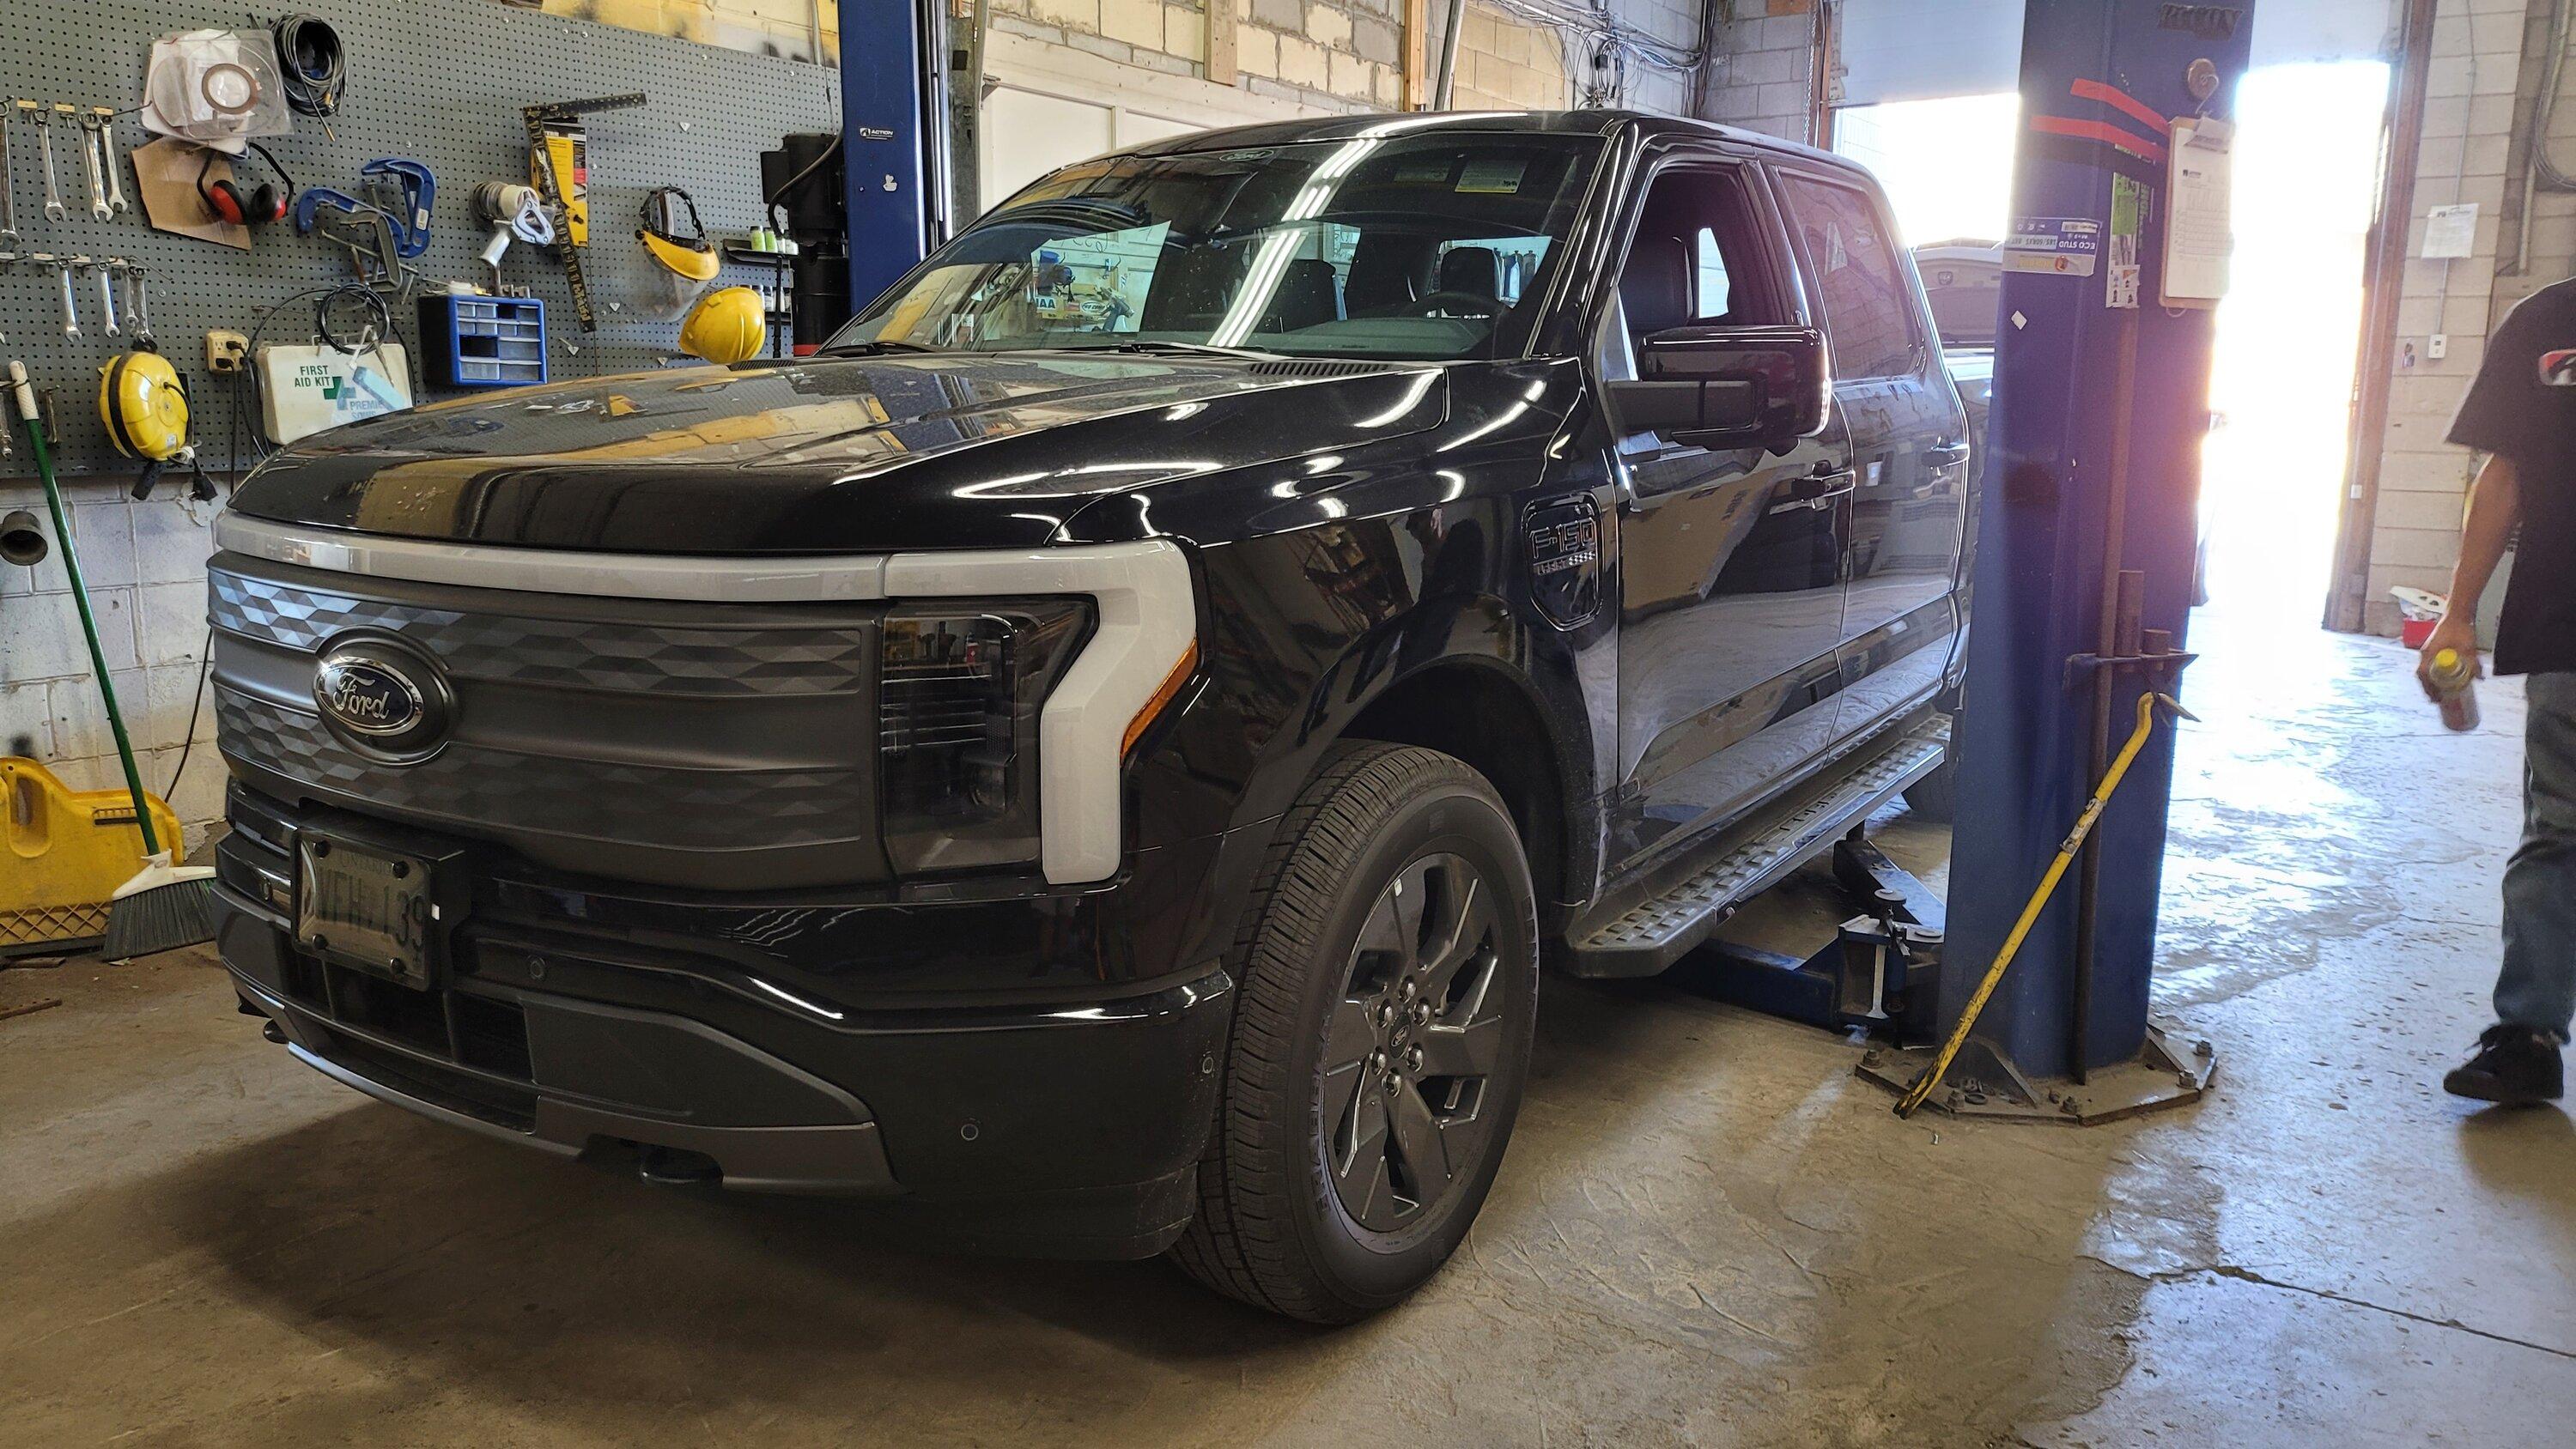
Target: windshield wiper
{"points": [[1204, 349], [859, 349]]}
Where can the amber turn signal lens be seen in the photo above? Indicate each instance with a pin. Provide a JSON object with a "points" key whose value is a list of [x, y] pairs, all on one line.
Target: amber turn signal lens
{"points": [[1164, 694]]}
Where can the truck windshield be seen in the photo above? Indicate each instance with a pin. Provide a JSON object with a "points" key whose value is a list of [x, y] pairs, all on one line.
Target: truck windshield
{"points": [[1395, 246]]}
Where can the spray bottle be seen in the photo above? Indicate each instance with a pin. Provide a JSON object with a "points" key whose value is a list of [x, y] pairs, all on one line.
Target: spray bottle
{"points": [[2455, 685]]}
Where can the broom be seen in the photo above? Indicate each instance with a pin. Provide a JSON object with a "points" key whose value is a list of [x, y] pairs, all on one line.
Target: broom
{"points": [[164, 906]]}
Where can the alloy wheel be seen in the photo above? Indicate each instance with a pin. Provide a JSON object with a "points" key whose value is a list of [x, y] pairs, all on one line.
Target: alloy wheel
{"points": [[1417, 1031]]}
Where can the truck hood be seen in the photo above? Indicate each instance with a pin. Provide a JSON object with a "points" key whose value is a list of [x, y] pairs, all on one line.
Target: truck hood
{"points": [[828, 454]]}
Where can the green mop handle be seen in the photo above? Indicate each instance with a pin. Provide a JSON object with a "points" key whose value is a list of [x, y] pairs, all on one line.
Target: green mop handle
{"points": [[26, 396]]}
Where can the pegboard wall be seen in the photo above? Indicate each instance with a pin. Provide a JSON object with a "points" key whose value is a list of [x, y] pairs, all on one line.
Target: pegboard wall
{"points": [[438, 81]]}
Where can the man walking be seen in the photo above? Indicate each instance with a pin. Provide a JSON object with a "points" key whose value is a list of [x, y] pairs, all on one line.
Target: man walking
{"points": [[2522, 413]]}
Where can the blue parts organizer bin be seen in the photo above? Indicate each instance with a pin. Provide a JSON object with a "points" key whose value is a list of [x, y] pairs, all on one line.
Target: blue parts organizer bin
{"points": [[482, 341]]}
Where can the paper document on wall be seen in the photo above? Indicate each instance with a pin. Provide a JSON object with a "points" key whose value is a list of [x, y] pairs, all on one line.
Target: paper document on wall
{"points": [[2451, 232], [2198, 237]]}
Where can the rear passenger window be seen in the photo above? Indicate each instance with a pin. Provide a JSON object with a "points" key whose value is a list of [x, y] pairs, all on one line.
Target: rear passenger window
{"points": [[1869, 311], [1715, 298]]}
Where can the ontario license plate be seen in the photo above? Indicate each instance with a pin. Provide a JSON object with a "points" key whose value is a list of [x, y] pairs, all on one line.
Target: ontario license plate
{"points": [[367, 908]]}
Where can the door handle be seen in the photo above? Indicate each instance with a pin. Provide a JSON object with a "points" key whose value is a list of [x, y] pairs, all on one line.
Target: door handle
{"points": [[1816, 490], [1822, 488], [1946, 455]]}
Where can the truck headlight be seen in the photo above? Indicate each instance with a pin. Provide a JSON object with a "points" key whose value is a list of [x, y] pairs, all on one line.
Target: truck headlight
{"points": [[958, 700]]}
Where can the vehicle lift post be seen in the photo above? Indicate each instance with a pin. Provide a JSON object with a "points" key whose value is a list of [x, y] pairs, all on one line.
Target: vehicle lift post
{"points": [[2084, 574], [894, 137]]}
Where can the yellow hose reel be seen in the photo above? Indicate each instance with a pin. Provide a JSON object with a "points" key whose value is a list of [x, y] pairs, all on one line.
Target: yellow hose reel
{"points": [[143, 404]]}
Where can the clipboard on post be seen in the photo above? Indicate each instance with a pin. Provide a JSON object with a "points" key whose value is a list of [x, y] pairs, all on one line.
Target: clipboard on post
{"points": [[2199, 233]]}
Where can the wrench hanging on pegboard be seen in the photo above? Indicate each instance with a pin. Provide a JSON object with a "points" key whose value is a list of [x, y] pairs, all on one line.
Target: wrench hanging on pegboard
{"points": [[541, 155]]}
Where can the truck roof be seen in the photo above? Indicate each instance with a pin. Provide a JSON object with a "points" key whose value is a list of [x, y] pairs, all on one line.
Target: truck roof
{"points": [[1587, 122]]}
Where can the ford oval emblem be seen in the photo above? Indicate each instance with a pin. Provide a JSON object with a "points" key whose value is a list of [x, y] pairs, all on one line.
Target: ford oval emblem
{"points": [[383, 698], [368, 697]]}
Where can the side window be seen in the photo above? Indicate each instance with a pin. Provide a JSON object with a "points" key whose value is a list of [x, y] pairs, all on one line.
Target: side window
{"points": [[1691, 255], [1869, 311], [1713, 294]]}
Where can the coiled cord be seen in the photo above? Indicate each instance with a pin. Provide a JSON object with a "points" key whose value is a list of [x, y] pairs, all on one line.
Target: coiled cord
{"points": [[311, 64]]}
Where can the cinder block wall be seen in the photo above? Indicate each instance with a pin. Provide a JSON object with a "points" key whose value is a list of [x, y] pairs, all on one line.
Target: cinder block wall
{"points": [[2483, 93], [146, 567], [1767, 77]]}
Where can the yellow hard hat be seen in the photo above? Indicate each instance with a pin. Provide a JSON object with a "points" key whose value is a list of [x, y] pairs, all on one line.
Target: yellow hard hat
{"points": [[726, 326], [144, 406]]}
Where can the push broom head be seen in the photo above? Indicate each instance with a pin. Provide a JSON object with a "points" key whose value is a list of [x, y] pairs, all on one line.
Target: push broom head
{"points": [[163, 908]]}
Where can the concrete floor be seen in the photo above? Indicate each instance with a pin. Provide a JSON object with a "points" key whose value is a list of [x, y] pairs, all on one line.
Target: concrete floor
{"points": [[1708, 1231]]}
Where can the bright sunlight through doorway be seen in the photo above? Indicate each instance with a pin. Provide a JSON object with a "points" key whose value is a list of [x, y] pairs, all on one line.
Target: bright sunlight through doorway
{"points": [[2306, 174]]}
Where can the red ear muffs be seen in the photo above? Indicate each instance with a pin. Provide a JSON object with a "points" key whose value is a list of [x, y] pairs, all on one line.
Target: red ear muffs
{"points": [[228, 202]]}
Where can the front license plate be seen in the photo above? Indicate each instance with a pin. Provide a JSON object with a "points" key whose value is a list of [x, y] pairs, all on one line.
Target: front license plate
{"points": [[367, 908]]}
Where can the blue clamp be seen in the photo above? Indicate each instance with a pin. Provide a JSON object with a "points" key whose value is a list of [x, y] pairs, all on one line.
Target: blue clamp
{"points": [[312, 199], [419, 189]]}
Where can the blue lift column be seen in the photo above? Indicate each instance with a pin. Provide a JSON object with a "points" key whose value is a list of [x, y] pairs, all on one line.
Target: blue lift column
{"points": [[2101, 400], [893, 117]]}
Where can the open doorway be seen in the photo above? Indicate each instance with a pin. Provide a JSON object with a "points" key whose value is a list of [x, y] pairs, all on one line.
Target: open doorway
{"points": [[2306, 171]]}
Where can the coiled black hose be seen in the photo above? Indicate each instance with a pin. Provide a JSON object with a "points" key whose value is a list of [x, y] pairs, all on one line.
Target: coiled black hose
{"points": [[311, 63]]}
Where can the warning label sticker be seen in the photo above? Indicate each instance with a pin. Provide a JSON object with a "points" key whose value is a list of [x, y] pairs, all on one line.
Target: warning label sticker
{"points": [[2066, 246]]}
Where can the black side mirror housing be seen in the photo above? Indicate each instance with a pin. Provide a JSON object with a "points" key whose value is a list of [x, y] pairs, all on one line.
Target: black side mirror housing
{"points": [[1729, 386]]}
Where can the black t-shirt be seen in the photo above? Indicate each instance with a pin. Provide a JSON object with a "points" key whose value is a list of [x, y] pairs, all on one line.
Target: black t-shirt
{"points": [[2523, 405]]}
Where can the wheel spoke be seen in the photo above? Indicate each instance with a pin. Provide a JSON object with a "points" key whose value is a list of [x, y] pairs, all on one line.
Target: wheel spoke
{"points": [[1407, 899], [1472, 1050], [1462, 942], [1341, 1086], [1348, 1037], [1384, 934], [1420, 1143], [1368, 1136], [1377, 1194]]}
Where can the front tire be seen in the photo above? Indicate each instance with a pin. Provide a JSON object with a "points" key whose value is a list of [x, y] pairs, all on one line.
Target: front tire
{"points": [[1387, 985]]}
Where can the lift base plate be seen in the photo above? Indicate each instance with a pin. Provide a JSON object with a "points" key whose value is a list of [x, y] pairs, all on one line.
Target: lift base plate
{"points": [[2170, 1070]]}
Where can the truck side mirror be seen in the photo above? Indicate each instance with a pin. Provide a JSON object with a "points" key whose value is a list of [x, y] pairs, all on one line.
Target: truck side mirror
{"points": [[1729, 387]]}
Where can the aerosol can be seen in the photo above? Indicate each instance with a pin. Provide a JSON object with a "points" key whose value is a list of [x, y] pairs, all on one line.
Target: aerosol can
{"points": [[2455, 687]]}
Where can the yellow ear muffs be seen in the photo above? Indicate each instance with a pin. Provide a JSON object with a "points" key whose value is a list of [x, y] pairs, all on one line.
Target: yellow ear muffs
{"points": [[143, 404]]}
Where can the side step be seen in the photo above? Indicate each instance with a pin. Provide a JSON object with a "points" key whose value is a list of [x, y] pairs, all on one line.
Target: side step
{"points": [[1752, 857]]}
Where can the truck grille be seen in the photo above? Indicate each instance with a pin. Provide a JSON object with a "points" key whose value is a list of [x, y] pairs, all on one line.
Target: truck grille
{"points": [[724, 746]]}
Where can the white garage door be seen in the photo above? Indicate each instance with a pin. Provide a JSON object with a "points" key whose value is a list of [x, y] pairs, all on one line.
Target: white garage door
{"points": [[1050, 106]]}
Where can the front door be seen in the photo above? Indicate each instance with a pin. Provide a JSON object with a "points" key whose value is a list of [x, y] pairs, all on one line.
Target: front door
{"points": [[1909, 451], [1730, 559]]}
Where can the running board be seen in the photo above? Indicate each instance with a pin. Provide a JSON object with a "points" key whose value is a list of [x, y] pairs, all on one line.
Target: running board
{"points": [[1654, 933]]}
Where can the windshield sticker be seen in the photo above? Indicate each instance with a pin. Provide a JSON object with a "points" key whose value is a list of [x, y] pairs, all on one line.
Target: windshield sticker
{"points": [[1096, 283], [1428, 168], [1492, 175]]}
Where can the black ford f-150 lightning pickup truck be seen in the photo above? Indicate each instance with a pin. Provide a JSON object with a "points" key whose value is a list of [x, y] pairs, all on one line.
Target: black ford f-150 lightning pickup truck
{"points": [[1095, 758]]}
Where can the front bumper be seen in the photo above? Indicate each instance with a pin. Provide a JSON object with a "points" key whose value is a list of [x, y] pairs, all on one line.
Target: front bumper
{"points": [[1062, 1127]]}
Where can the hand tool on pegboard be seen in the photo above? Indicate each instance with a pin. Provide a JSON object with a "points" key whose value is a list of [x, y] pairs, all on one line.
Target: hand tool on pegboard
{"points": [[63, 273], [138, 304], [108, 162], [97, 174], [8, 186], [541, 157], [44, 118], [105, 270]]}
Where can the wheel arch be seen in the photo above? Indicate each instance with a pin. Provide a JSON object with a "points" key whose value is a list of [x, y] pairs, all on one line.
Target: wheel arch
{"points": [[1489, 716]]}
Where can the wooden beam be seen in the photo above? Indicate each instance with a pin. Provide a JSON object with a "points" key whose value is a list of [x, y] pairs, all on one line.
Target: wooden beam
{"points": [[1220, 41], [1417, 42]]}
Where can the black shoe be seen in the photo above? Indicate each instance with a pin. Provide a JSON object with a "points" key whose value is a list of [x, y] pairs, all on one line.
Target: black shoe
{"points": [[2514, 1065]]}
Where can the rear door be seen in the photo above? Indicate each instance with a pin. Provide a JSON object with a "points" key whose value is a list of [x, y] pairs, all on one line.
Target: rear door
{"points": [[1730, 559], [1908, 438]]}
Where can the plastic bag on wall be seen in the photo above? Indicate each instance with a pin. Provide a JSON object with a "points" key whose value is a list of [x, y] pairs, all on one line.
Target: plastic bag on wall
{"points": [[215, 87]]}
